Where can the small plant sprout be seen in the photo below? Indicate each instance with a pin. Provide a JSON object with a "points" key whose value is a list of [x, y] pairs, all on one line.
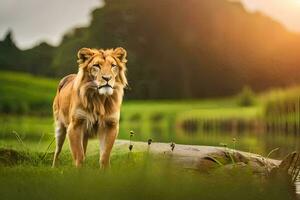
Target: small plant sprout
{"points": [[227, 152], [271, 152], [47, 150], [234, 142], [19, 138], [268, 156], [149, 141], [172, 145], [131, 134], [130, 147], [233, 151], [130, 141]]}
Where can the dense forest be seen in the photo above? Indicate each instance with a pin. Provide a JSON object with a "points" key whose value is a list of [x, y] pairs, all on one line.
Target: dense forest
{"points": [[176, 49]]}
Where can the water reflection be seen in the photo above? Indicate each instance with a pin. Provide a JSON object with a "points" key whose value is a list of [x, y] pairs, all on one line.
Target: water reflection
{"points": [[255, 142]]}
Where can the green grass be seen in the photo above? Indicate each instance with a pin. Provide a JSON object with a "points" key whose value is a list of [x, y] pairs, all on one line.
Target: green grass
{"points": [[252, 112], [28, 127], [132, 176], [26, 94], [141, 182], [282, 110]]}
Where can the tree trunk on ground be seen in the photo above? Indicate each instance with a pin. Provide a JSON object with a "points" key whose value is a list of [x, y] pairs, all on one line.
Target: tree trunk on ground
{"points": [[204, 158]]}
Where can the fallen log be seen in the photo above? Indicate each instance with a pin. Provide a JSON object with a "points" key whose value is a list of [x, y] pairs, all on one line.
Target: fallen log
{"points": [[205, 158]]}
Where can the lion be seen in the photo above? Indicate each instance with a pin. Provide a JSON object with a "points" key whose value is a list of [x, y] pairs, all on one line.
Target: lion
{"points": [[88, 103]]}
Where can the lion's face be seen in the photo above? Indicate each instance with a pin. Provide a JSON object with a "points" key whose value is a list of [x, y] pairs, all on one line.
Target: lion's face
{"points": [[105, 68], [104, 71]]}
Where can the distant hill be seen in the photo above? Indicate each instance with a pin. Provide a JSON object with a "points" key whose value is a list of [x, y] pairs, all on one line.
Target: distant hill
{"points": [[23, 93], [37, 60], [176, 49]]}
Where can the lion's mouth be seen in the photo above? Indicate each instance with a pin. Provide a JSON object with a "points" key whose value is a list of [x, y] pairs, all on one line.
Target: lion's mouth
{"points": [[103, 86], [106, 90]]}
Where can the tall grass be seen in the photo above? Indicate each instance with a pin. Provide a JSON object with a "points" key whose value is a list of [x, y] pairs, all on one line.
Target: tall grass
{"points": [[282, 110], [246, 97]]}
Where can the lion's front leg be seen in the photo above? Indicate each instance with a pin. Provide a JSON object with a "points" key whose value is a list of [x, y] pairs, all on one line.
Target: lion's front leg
{"points": [[75, 133], [107, 136]]}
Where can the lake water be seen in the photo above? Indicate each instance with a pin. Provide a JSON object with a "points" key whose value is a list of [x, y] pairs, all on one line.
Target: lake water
{"points": [[256, 142]]}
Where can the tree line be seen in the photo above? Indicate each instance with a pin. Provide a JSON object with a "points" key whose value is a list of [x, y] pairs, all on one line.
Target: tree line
{"points": [[176, 50]]}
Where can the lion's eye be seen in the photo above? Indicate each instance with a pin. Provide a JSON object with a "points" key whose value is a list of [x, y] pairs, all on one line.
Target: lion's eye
{"points": [[95, 70], [96, 65], [113, 65]]}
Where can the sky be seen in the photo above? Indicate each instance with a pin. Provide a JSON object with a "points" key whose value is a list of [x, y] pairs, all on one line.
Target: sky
{"points": [[33, 21], [286, 12]]}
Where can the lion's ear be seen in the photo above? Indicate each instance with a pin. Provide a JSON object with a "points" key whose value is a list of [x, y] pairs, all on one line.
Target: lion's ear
{"points": [[121, 54], [84, 54]]}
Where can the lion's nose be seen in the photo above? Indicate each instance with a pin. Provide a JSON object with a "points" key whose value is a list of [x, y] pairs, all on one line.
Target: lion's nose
{"points": [[107, 78]]}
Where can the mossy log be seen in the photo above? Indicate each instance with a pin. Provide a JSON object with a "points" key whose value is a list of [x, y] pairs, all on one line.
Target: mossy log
{"points": [[205, 158]]}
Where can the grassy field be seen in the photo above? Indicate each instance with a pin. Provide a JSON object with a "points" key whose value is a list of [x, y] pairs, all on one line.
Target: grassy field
{"points": [[26, 94], [135, 175], [139, 181]]}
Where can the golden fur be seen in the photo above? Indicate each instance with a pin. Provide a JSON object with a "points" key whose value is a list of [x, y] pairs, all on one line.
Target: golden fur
{"points": [[88, 103]]}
